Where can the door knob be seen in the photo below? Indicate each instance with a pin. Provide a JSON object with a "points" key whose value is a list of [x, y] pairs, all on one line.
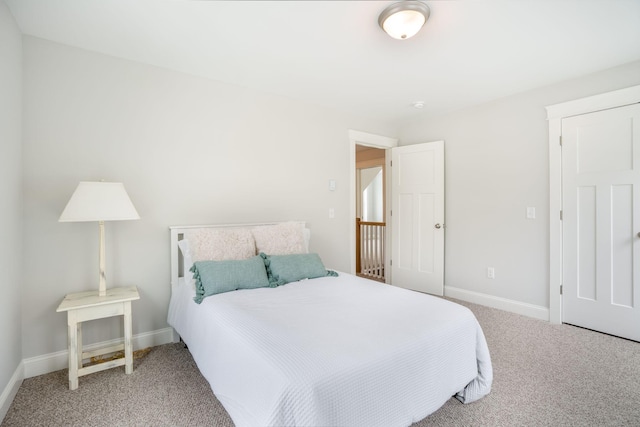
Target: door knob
{"points": [[438, 226]]}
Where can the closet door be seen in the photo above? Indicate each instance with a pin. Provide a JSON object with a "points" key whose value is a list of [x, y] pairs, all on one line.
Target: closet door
{"points": [[601, 221]]}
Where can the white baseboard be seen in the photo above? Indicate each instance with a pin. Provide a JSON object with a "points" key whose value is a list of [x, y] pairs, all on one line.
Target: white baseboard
{"points": [[530, 310], [51, 362], [10, 391]]}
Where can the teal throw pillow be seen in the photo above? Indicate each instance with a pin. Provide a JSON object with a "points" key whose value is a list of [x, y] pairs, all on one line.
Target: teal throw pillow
{"points": [[215, 277], [283, 269]]}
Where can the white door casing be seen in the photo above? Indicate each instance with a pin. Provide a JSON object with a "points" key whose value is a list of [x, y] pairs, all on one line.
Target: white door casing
{"points": [[601, 214], [417, 217]]}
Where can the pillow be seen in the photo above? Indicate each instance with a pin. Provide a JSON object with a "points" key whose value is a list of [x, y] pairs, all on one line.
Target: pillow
{"points": [[306, 234], [280, 239], [283, 269], [220, 244], [216, 277], [187, 260]]}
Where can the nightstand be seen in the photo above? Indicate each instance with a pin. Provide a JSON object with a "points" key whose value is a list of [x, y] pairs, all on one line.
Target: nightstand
{"points": [[84, 306]]}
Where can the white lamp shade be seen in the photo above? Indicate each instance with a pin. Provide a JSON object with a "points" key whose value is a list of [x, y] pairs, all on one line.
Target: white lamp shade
{"points": [[99, 201]]}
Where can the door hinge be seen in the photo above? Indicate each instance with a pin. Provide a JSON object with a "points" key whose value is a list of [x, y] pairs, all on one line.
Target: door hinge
{"points": [[560, 140], [390, 163], [560, 289], [390, 212], [560, 215], [390, 262]]}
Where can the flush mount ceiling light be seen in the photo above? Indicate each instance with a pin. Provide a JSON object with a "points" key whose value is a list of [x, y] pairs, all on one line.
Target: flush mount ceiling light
{"points": [[404, 19]]}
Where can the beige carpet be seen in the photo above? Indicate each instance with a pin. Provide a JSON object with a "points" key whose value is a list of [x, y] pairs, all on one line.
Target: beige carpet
{"points": [[544, 375]]}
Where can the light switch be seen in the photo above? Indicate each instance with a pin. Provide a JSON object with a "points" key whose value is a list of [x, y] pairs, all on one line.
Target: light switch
{"points": [[531, 213], [332, 213], [332, 185]]}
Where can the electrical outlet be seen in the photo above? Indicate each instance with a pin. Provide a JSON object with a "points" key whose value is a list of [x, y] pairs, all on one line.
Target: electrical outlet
{"points": [[491, 273]]}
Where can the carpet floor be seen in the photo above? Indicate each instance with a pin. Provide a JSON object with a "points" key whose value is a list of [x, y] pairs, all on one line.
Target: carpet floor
{"points": [[544, 375]]}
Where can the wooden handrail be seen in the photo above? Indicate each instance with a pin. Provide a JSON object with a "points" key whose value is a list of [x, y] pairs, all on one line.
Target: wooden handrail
{"points": [[379, 224]]}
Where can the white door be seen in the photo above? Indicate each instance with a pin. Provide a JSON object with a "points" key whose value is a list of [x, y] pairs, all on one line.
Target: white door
{"points": [[417, 217], [601, 221]]}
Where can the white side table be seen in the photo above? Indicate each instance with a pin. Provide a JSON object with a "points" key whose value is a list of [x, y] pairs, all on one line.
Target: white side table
{"points": [[84, 306]]}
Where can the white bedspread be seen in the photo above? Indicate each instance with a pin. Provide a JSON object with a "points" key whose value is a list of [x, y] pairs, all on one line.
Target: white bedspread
{"points": [[333, 351]]}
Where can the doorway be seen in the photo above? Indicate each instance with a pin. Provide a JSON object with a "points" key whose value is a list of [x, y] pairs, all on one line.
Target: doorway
{"points": [[359, 138], [415, 241], [370, 212]]}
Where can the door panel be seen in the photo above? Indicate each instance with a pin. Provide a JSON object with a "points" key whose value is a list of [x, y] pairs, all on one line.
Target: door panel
{"points": [[403, 255], [622, 250], [427, 212], [417, 249], [601, 206], [587, 242]]}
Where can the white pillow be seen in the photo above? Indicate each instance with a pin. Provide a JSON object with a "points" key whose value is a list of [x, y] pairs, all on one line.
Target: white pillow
{"points": [[187, 260], [220, 244], [307, 237], [280, 239]]}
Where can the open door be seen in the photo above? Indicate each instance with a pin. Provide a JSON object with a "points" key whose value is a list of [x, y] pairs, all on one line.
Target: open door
{"points": [[417, 217]]}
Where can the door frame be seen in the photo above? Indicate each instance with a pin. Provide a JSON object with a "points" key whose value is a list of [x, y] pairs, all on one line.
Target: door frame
{"points": [[375, 141], [555, 114]]}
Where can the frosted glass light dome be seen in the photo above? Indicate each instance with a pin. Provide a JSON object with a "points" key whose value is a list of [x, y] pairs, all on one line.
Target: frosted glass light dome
{"points": [[404, 19]]}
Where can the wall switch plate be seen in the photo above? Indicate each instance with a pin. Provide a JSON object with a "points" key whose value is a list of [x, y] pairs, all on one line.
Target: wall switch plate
{"points": [[332, 185], [491, 273], [531, 213], [332, 213]]}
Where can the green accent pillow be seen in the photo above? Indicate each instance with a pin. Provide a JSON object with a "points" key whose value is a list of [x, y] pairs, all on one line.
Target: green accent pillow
{"points": [[283, 269], [216, 277]]}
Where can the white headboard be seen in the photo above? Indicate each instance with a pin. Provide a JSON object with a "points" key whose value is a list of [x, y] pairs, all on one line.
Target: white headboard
{"points": [[177, 234]]}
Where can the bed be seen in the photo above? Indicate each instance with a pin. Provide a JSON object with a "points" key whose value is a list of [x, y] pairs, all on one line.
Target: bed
{"points": [[335, 350]]}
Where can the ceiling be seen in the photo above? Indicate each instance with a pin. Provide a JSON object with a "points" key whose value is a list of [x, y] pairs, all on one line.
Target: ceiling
{"points": [[333, 53]]}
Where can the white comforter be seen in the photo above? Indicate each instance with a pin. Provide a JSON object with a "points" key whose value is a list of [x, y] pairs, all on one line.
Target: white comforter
{"points": [[333, 351]]}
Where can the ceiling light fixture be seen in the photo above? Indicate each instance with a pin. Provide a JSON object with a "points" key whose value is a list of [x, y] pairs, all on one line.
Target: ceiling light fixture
{"points": [[404, 19], [418, 104]]}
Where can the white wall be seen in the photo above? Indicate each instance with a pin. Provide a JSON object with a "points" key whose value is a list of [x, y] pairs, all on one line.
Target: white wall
{"points": [[189, 151], [496, 158], [11, 195]]}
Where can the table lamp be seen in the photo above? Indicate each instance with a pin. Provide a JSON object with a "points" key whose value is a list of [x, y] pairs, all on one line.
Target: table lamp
{"points": [[99, 201]]}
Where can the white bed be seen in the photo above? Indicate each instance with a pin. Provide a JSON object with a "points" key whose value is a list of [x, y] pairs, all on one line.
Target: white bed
{"points": [[330, 351]]}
